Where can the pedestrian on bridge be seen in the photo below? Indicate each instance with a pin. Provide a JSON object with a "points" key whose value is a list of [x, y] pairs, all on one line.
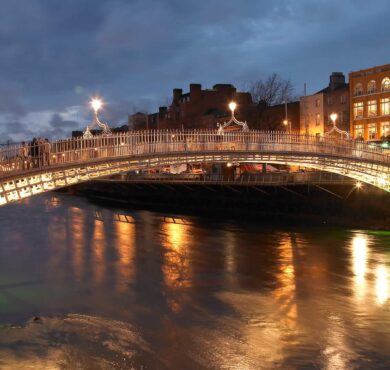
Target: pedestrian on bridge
{"points": [[23, 155]]}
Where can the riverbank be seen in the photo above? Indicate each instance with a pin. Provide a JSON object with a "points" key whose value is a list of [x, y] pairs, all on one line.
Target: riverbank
{"points": [[334, 205]]}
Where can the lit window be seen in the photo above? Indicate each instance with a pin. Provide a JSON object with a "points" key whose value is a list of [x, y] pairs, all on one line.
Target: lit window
{"points": [[358, 110], [385, 106], [386, 84], [371, 87], [318, 119], [358, 89], [371, 131], [385, 129], [359, 131], [372, 108]]}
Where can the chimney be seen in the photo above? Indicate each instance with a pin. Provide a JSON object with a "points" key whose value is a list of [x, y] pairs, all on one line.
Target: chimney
{"points": [[177, 93], [336, 80], [195, 91]]}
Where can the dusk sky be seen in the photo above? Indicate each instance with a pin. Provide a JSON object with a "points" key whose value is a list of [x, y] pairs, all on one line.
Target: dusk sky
{"points": [[56, 54]]}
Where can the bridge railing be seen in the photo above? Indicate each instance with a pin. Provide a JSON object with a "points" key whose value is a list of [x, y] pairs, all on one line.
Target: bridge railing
{"points": [[30, 156]]}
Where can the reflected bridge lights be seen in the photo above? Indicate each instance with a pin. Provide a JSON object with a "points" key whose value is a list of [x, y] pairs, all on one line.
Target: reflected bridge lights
{"points": [[382, 284]]}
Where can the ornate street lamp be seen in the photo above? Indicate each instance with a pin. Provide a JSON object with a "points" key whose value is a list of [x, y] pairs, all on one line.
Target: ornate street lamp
{"points": [[96, 104], [333, 118], [233, 119]]}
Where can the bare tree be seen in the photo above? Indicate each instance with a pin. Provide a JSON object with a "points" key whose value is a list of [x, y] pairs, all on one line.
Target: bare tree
{"points": [[271, 91]]}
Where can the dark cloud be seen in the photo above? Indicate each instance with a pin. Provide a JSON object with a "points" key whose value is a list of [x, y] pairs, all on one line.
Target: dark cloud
{"points": [[55, 54]]}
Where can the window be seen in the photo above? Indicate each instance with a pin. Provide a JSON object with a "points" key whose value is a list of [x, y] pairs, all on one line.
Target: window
{"points": [[359, 131], [371, 131], [385, 129], [330, 100], [371, 108], [358, 89], [318, 119], [358, 110], [343, 99], [386, 84], [385, 106], [317, 102], [371, 87], [345, 116]]}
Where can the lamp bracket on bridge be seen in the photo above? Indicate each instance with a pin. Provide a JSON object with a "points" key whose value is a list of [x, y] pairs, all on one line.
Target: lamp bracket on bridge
{"points": [[96, 123], [233, 119], [336, 129]]}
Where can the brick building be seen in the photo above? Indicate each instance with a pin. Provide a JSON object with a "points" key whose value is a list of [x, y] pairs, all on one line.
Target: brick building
{"points": [[204, 108], [196, 109], [370, 103], [317, 108], [265, 117]]}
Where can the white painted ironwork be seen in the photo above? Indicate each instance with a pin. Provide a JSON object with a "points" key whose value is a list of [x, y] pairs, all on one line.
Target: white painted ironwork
{"points": [[96, 104], [32, 169], [333, 118], [233, 119]]}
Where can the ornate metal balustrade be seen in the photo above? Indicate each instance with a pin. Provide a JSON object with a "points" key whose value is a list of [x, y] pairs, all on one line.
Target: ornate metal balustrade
{"points": [[32, 169]]}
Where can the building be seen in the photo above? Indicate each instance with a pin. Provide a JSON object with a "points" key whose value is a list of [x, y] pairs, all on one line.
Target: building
{"points": [[273, 117], [196, 109], [370, 103], [315, 110]]}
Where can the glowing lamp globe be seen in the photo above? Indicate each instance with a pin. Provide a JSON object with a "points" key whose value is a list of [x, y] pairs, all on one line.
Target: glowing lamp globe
{"points": [[96, 104], [333, 117], [232, 106]]}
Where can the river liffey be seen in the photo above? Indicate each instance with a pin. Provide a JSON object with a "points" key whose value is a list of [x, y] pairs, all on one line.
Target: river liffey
{"points": [[83, 286]]}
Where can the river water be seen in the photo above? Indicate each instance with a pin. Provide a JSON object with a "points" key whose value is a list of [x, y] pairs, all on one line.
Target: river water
{"points": [[87, 287]]}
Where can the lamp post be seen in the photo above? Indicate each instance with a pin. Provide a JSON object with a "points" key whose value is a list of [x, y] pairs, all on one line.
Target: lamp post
{"points": [[96, 105], [287, 123], [334, 117], [232, 107], [233, 119]]}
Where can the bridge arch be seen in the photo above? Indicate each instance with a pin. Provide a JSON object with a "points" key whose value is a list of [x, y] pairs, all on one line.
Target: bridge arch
{"points": [[78, 160]]}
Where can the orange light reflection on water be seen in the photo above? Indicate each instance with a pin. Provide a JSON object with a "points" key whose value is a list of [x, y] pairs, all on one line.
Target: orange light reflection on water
{"points": [[176, 268], [124, 245]]}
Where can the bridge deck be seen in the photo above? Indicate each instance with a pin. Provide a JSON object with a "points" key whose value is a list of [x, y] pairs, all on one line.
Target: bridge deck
{"points": [[31, 169]]}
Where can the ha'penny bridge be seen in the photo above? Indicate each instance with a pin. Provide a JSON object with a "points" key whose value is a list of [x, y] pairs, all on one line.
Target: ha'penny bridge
{"points": [[30, 170]]}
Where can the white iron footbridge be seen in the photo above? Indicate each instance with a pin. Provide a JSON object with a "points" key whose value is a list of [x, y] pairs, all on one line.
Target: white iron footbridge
{"points": [[33, 169]]}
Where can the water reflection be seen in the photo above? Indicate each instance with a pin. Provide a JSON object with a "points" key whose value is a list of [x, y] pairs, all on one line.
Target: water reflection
{"points": [[176, 266], [382, 284], [98, 245], [216, 296], [285, 293], [359, 262], [124, 245], [77, 224]]}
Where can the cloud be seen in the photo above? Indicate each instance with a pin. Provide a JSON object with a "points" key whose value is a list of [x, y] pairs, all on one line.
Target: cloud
{"points": [[55, 55]]}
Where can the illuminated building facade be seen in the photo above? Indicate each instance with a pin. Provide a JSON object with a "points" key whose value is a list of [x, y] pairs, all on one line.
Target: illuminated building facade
{"points": [[370, 103], [316, 109]]}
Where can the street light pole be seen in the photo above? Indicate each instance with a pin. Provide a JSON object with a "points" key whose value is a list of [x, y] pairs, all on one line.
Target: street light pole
{"points": [[286, 121]]}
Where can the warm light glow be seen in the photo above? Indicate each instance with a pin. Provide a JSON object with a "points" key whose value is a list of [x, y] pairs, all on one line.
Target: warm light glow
{"points": [[333, 117], [285, 122], [359, 258], [229, 164], [358, 185], [96, 104], [382, 285], [232, 106]]}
